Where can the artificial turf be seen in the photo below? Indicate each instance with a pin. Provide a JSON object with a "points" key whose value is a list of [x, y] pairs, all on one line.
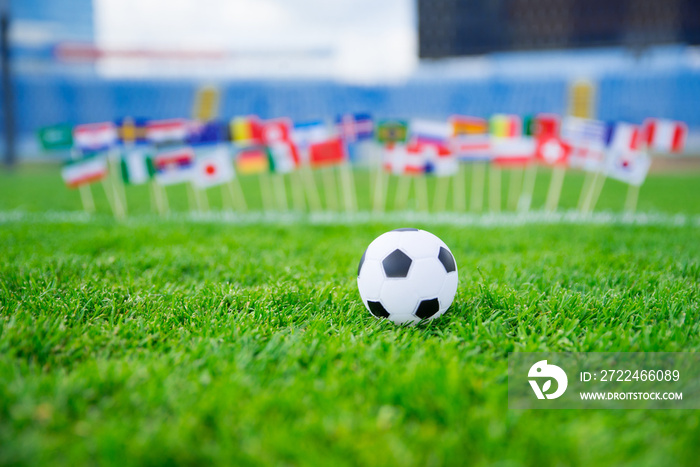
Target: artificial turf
{"points": [[165, 341]]}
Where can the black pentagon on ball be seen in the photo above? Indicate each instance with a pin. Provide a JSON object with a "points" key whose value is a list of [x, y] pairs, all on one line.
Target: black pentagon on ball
{"points": [[396, 264], [447, 260], [362, 261], [405, 229], [427, 308], [377, 309]]}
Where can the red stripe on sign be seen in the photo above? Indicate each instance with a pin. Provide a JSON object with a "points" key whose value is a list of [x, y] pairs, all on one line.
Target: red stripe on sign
{"points": [[87, 178], [512, 160], [635, 143], [89, 128], [678, 137], [650, 132], [413, 170], [166, 125]]}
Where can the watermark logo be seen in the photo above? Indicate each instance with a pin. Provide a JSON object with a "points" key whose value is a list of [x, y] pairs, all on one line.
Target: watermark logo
{"points": [[542, 370]]}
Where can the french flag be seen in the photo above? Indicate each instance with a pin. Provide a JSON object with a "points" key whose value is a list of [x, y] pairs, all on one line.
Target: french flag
{"points": [[665, 136], [622, 136]]}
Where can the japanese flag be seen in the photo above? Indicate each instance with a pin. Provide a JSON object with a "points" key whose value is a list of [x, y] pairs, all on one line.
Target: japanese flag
{"points": [[213, 168]]}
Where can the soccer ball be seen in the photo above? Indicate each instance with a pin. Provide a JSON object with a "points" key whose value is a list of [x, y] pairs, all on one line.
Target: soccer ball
{"points": [[407, 275]]}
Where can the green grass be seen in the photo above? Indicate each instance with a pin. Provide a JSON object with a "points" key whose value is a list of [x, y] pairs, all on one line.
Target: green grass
{"points": [[170, 342]]}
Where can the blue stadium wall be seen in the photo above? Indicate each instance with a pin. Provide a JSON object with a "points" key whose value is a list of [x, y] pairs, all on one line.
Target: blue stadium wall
{"points": [[41, 101]]}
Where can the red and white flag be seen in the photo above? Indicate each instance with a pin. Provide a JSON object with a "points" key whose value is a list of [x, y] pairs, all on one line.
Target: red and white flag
{"points": [[277, 130], [516, 151], [213, 167], [666, 136], [551, 150]]}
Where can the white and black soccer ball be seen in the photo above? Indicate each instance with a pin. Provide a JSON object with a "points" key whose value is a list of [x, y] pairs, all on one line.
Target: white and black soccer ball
{"points": [[407, 275]]}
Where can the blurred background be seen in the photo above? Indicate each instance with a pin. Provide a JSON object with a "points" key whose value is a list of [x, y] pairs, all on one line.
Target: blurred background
{"points": [[81, 61]]}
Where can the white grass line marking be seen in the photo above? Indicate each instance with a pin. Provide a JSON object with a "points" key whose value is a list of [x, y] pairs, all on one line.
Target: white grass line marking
{"points": [[403, 218]]}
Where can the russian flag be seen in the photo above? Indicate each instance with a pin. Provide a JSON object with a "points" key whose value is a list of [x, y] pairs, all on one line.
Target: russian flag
{"points": [[430, 132]]}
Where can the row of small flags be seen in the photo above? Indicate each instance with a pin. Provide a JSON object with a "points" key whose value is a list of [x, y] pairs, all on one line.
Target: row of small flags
{"points": [[211, 153]]}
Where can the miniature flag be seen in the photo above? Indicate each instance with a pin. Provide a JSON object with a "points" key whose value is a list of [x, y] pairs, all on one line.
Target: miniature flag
{"points": [[417, 155], [84, 171], [95, 137], [252, 161], [205, 133], [471, 148], [429, 131], [551, 150], [56, 137], [541, 125], [283, 156], [213, 168], [277, 130], [623, 137], [326, 153], [165, 132], [470, 138], [665, 136], [246, 131], [355, 127], [137, 167], [131, 131], [394, 158], [505, 126], [630, 167], [516, 151], [464, 126], [391, 131], [587, 140], [306, 134], [174, 166], [441, 162]]}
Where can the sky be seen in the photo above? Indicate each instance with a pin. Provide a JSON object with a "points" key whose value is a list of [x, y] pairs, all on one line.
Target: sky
{"points": [[348, 40]]}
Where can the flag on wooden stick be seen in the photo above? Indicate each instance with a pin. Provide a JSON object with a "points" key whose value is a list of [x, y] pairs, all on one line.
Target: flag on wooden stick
{"points": [[84, 171], [665, 136]]}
